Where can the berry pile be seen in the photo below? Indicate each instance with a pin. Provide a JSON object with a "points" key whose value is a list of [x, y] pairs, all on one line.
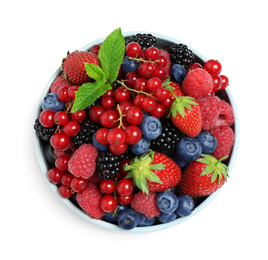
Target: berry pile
{"points": [[153, 139]]}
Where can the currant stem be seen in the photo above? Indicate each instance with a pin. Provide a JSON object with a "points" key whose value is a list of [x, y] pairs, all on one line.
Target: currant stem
{"points": [[120, 119], [143, 60]]}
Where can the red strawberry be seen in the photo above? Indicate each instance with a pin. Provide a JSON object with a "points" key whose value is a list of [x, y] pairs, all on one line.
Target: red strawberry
{"points": [[177, 90], [186, 115], [198, 83], [154, 172], [74, 66], [146, 204], [203, 177], [225, 137]]}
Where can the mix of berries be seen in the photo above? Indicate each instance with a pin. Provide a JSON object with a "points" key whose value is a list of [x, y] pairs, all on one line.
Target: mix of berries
{"points": [[143, 151]]}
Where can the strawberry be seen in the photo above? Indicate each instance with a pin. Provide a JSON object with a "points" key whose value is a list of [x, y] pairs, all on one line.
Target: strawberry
{"points": [[186, 115], [73, 66], [154, 172], [203, 177]]}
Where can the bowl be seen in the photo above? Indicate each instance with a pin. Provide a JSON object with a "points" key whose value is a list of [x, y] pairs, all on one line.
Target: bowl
{"points": [[163, 41]]}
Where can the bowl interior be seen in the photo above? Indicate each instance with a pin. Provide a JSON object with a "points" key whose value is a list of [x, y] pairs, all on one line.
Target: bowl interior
{"points": [[162, 42]]}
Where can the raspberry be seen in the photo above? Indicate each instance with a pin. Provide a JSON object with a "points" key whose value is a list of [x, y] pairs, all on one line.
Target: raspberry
{"points": [[210, 109], [226, 117], [197, 83], [146, 204], [89, 201], [225, 138], [83, 162], [60, 82]]}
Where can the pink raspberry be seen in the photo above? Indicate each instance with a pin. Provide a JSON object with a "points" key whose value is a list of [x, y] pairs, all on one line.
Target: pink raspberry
{"points": [[225, 137], [198, 83], [89, 201], [210, 109], [60, 82], [146, 204], [83, 162], [226, 117]]}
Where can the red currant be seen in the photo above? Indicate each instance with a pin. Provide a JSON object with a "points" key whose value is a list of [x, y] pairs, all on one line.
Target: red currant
{"points": [[162, 61], [121, 94], [116, 136], [109, 117], [62, 162], [79, 116], [134, 115], [63, 94], [138, 100], [118, 150], [141, 84], [161, 93], [125, 187], [124, 163], [125, 200], [158, 111], [107, 186], [224, 82], [133, 134], [195, 66], [167, 102], [71, 128], [79, 184], [133, 50], [107, 102], [61, 118], [59, 140], [130, 78], [109, 93], [67, 179], [125, 105], [148, 104], [95, 113], [152, 53], [66, 191], [216, 83], [72, 91], [108, 203], [46, 118], [55, 175], [101, 136], [160, 72], [154, 83], [213, 67], [147, 69]]}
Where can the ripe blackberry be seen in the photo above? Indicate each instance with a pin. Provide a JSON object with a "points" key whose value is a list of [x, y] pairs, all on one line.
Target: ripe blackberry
{"points": [[167, 141], [108, 164], [87, 130], [180, 54], [144, 40], [44, 132]]}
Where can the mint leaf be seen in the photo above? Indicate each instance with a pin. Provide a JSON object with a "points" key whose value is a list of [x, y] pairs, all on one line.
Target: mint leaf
{"points": [[88, 93], [94, 71], [111, 54]]}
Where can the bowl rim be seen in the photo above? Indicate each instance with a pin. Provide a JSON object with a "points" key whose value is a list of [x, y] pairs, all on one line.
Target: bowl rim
{"points": [[114, 227]]}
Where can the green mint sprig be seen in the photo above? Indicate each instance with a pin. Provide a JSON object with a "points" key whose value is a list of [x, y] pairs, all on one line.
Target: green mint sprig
{"points": [[111, 56]]}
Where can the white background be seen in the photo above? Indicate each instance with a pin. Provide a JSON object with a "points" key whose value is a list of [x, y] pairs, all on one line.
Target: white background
{"points": [[36, 35]]}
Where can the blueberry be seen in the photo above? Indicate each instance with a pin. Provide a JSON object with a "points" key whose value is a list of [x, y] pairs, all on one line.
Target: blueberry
{"points": [[145, 221], [167, 217], [178, 73], [186, 206], [208, 142], [145, 113], [180, 162], [151, 127], [48, 154], [113, 216], [98, 146], [189, 149], [128, 219], [52, 102], [129, 65], [167, 201], [141, 147]]}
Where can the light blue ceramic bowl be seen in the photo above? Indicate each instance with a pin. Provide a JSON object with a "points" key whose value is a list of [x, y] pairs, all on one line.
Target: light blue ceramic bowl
{"points": [[163, 42]]}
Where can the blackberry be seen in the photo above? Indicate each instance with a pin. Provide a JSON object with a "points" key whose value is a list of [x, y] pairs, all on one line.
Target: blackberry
{"points": [[44, 132], [180, 54], [167, 141], [108, 164], [144, 40], [87, 130]]}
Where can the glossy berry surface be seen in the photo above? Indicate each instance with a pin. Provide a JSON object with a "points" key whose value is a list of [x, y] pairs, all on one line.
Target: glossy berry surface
{"points": [[107, 187], [108, 203], [167, 201], [189, 149], [125, 187], [116, 136], [186, 206]]}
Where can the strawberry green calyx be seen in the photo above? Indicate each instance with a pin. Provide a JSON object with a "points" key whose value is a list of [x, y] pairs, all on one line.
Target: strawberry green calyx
{"points": [[141, 171], [180, 103], [214, 166]]}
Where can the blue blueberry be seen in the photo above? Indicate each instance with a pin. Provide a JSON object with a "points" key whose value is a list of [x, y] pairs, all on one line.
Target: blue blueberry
{"points": [[151, 127], [141, 147], [145, 221], [48, 154], [189, 149], [185, 207], [180, 162], [129, 65], [113, 217], [167, 201], [177, 73], [167, 217], [208, 142], [52, 102], [128, 219], [98, 146]]}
